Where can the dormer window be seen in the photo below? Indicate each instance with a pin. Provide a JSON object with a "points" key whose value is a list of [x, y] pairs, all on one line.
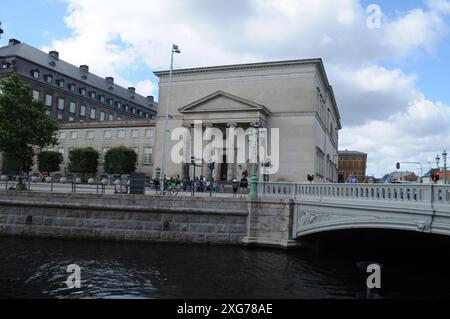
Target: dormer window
{"points": [[48, 79], [5, 65], [102, 98], [83, 91], [118, 104], [72, 87], [92, 95], [35, 74], [110, 102], [84, 77], [61, 83]]}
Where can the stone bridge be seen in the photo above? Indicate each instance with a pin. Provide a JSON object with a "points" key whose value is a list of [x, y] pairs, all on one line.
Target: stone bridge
{"points": [[327, 207]]}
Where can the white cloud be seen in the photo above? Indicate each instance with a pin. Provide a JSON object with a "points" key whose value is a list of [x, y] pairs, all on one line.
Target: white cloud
{"points": [[382, 111]]}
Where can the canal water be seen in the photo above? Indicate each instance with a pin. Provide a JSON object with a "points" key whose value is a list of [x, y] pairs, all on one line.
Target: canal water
{"points": [[36, 268]]}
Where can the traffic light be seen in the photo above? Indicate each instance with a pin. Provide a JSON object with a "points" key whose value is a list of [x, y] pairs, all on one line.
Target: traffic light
{"points": [[398, 165]]}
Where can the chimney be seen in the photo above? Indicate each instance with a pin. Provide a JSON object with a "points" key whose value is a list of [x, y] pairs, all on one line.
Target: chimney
{"points": [[132, 90], [109, 79], [84, 68], [150, 100], [13, 41], [54, 54]]}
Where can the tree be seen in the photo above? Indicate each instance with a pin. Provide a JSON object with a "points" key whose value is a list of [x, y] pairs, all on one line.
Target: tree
{"points": [[83, 161], [25, 128], [120, 160], [49, 161]]}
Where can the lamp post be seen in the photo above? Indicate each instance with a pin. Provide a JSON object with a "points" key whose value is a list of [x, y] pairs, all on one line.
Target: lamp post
{"points": [[175, 49], [444, 157], [254, 178], [438, 159]]}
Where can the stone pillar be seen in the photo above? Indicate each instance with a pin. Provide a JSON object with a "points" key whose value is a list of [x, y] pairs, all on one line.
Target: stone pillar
{"points": [[206, 172], [187, 141], [231, 166]]}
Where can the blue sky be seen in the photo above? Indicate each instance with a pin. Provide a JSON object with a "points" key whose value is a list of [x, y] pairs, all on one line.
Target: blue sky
{"points": [[388, 82], [40, 22]]}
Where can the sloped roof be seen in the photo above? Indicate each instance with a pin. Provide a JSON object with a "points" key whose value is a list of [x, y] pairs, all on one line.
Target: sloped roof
{"points": [[43, 59]]}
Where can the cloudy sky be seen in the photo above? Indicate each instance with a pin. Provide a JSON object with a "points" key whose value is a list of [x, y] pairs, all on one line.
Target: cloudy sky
{"points": [[391, 83]]}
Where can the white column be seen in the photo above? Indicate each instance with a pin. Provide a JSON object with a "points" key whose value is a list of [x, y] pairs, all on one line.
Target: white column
{"points": [[231, 167]]}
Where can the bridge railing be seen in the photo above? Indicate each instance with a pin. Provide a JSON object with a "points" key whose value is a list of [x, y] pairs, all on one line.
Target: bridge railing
{"points": [[378, 192]]}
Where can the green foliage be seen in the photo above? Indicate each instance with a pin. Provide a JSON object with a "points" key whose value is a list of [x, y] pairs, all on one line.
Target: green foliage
{"points": [[49, 161], [83, 161], [25, 129], [120, 160]]}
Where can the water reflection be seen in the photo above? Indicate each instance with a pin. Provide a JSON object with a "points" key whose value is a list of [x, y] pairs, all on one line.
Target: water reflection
{"points": [[36, 268]]}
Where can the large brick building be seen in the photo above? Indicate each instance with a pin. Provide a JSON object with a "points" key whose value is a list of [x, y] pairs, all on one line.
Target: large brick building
{"points": [[71, 93], [352, 165]]}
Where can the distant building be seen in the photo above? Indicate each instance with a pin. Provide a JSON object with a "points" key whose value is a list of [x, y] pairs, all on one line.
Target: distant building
{"points": [[137, 135], [401, 176], [71, 93], [352, 165]]}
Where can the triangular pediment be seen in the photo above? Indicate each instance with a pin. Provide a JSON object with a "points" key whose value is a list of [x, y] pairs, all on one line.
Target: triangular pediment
{"points": [[222, 102]]}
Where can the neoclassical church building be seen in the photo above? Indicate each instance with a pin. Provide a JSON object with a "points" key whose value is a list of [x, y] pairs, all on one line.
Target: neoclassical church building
{"points": [[293, 96]]}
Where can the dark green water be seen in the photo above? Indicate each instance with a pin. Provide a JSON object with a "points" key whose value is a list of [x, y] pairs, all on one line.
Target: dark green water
{"points": [[36, 268]]}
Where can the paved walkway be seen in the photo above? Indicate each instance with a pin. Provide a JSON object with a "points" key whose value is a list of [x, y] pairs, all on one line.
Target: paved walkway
{"points": [[92, 189]]}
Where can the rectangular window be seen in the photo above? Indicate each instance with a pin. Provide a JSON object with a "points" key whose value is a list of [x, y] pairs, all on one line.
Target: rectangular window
{"points": [[72, 107], [61, 83], [149, 132], [119, 118], [148, 156], [60, 116], [102, 116], [48, 79], [35, 95], [134, 133], [119, 105], [60, 104], [92, 116], [62, 135], [72, 87], [36, 74], [92, 95], [90, 135], [83, 110], [102, 98], [83, 91], [48, 100], [120, 133], [74, 134], [61, 150], [108, 134], [71, 119], [110, 117]]}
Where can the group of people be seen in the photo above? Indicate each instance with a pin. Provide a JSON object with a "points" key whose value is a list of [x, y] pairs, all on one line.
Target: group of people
{"points": [[202, 184]]}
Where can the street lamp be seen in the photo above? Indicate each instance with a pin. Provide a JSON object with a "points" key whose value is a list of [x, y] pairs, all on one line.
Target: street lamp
{"points": [[175, 49], [438, 159], [444, 157]]}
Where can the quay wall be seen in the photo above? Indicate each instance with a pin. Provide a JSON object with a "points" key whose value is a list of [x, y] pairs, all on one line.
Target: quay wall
{"points": [[202, 220]]}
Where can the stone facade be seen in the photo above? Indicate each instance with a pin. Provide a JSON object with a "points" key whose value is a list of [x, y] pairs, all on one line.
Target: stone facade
{"points": [[71, 93], [138, 135], [135, 218], [293, 96]]}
